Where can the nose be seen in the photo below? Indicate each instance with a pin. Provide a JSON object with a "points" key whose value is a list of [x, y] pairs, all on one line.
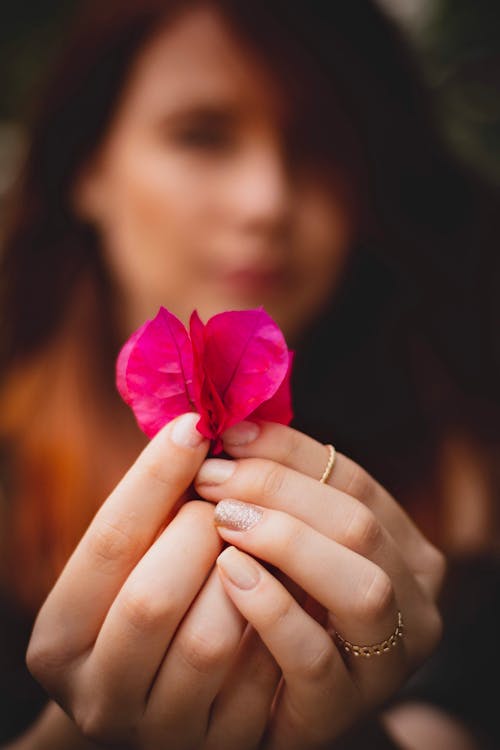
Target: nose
{"points": [[261, 193]]}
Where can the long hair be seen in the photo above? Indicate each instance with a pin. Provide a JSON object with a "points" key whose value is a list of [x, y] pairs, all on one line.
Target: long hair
{"points": [[415, 298]]}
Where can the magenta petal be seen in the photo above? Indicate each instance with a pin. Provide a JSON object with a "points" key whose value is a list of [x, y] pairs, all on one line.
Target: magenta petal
{"points": [[197, 333], [279, 407], [212, 414], [122, 363], [155, 372], [235, 366], [246, 358], [208, 403]]}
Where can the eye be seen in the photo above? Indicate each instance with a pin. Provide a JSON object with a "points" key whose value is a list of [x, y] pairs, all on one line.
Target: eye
{"points": [[206, 137], [210, 128]]}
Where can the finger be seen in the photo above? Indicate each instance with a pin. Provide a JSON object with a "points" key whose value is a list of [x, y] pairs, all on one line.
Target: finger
{"points": [[241, 710], [331, 512], [142, 620], [358, 595], [196, 665], [318, 695], [285, 475], [123, 529], [306, 455]]}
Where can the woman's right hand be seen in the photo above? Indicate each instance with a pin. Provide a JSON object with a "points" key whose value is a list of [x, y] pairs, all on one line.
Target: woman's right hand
{"points": [[108, 644]]}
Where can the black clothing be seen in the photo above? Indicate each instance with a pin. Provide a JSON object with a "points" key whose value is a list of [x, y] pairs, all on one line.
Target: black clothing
{"points": [[21, 698]]}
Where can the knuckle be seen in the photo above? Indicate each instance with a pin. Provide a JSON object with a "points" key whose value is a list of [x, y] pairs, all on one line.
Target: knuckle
{"points": [[145, 613], [94, 724], [154, 468], [319, 668], [376, 597], [436, 564], [290, 539], [292, 447], [203, 650], [43, 660], [91, 724], [111, 545], [360, 482], [273, 481], [363, 532], [279, 612], [48, 657]]}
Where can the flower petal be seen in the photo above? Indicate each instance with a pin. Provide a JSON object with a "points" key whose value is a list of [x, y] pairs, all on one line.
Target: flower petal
{"points": [[197, 334], [246, 359], [155, 372], [208, 403], [279, 407], [122, 363]]}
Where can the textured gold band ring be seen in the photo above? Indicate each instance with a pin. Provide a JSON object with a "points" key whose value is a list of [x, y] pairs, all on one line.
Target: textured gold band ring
{"points": [[376, 648], [329, 465]]}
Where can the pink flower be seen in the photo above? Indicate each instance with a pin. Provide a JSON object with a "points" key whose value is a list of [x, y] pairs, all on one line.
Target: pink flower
{"points": [[235, 367]]}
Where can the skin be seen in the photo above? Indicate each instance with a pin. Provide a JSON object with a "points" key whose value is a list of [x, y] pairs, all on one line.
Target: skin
{"points": [[107, 643], [196, 197], [145, 640]]}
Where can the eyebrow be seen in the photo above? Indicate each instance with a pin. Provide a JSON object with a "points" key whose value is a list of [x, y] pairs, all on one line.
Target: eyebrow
{"points": [[212, 111]]}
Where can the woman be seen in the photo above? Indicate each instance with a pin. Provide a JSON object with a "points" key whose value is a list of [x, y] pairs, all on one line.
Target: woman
{"points": [[218, 156]]}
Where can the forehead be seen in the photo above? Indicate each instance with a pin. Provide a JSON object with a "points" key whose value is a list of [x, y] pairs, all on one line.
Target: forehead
{"points": [[199, 56]]}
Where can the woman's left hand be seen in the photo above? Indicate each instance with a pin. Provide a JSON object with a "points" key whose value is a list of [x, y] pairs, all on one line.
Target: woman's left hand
{"points": [[354, 552]]}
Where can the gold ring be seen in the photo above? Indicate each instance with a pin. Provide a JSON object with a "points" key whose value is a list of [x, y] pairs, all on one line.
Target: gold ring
{"points": [[376, 648], [329, 465]]}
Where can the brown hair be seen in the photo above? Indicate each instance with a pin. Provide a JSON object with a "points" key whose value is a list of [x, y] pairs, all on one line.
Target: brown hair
{"points": [[421, 273]]}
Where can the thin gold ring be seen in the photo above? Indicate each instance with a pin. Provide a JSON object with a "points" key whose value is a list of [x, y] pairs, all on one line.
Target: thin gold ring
{"points": [[329, 465], [375, 649]]}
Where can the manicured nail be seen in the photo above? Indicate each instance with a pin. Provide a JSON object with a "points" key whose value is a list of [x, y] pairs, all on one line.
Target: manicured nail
{"points": [[241, 433], [184, 432], [236, 516], [238, 568], [215, 471]]}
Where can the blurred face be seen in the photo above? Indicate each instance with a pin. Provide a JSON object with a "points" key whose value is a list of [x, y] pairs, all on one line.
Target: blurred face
{"points": [[197, 200]]}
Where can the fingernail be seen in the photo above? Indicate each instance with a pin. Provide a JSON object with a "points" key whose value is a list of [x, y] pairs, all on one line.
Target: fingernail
{"points": [[236, 516], [238, 568], [215, 471], [241, 433], [184, 432]]}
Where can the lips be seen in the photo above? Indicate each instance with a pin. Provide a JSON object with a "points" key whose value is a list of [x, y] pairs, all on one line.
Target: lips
{"points": [[253, 279]]}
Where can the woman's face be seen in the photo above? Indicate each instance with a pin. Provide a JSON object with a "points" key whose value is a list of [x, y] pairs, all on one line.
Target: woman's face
{"points": [[197, 200]]}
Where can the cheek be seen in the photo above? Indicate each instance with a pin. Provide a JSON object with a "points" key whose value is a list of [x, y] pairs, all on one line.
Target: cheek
{"points": [[146, 206], [159, 218], [154, 218]]}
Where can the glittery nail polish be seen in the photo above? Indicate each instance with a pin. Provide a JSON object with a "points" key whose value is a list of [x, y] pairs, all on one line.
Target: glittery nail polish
{"points": [[237, 516]]}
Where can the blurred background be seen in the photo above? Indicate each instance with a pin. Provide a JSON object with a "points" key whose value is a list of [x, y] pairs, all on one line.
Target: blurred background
{"points": [[457, 42]]}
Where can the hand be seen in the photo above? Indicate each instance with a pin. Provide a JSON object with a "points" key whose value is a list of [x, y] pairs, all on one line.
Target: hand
{"points": [[137, 637], [353, 551]]}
